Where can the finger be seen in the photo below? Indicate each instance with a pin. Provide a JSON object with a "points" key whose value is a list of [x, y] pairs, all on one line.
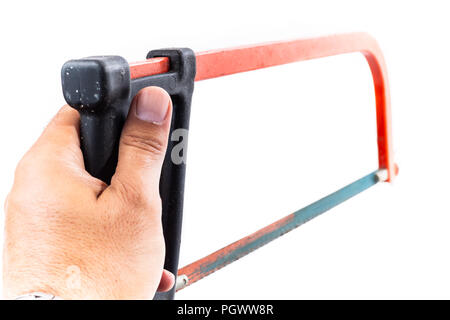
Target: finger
{"points": [[167, 281], [61, 137], [143, 143], [64, 127], [58, 151]]}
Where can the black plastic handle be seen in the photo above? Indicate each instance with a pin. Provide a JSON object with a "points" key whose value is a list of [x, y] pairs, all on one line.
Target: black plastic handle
{"points": [[101, 90]]}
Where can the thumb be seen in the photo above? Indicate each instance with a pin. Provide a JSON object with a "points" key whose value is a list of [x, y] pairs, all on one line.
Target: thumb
{"points": [[143, 142]]}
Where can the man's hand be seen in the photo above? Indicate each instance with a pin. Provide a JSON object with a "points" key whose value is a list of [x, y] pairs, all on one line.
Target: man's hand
{"points": [[71, 235]]}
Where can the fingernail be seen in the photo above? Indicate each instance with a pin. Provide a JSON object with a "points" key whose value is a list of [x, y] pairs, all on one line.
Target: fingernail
{"points": [[152, 105]]}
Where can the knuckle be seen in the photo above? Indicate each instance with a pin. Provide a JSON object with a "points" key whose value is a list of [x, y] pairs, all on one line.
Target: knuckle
{"points": [[23, 164], [151, 145], [30, 165]]}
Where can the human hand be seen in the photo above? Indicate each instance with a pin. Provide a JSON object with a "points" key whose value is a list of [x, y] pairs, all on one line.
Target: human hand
{"points": [[71, 235]]}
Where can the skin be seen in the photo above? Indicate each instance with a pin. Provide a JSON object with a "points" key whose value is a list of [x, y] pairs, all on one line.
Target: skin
{"points": [[71, 235]]}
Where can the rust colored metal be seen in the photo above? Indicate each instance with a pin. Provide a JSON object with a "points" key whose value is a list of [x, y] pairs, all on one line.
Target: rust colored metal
{"points": [[219, 259]]}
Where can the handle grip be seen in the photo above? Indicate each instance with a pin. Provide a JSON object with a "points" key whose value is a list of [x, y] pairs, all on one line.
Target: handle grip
{"points": [[100, 88]]}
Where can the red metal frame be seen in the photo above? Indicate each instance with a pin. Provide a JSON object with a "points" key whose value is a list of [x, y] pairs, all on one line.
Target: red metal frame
{"points": [[217, 63]]}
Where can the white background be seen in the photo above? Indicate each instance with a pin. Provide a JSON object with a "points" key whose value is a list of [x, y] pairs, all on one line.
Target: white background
{"points": [[266, 143]]}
